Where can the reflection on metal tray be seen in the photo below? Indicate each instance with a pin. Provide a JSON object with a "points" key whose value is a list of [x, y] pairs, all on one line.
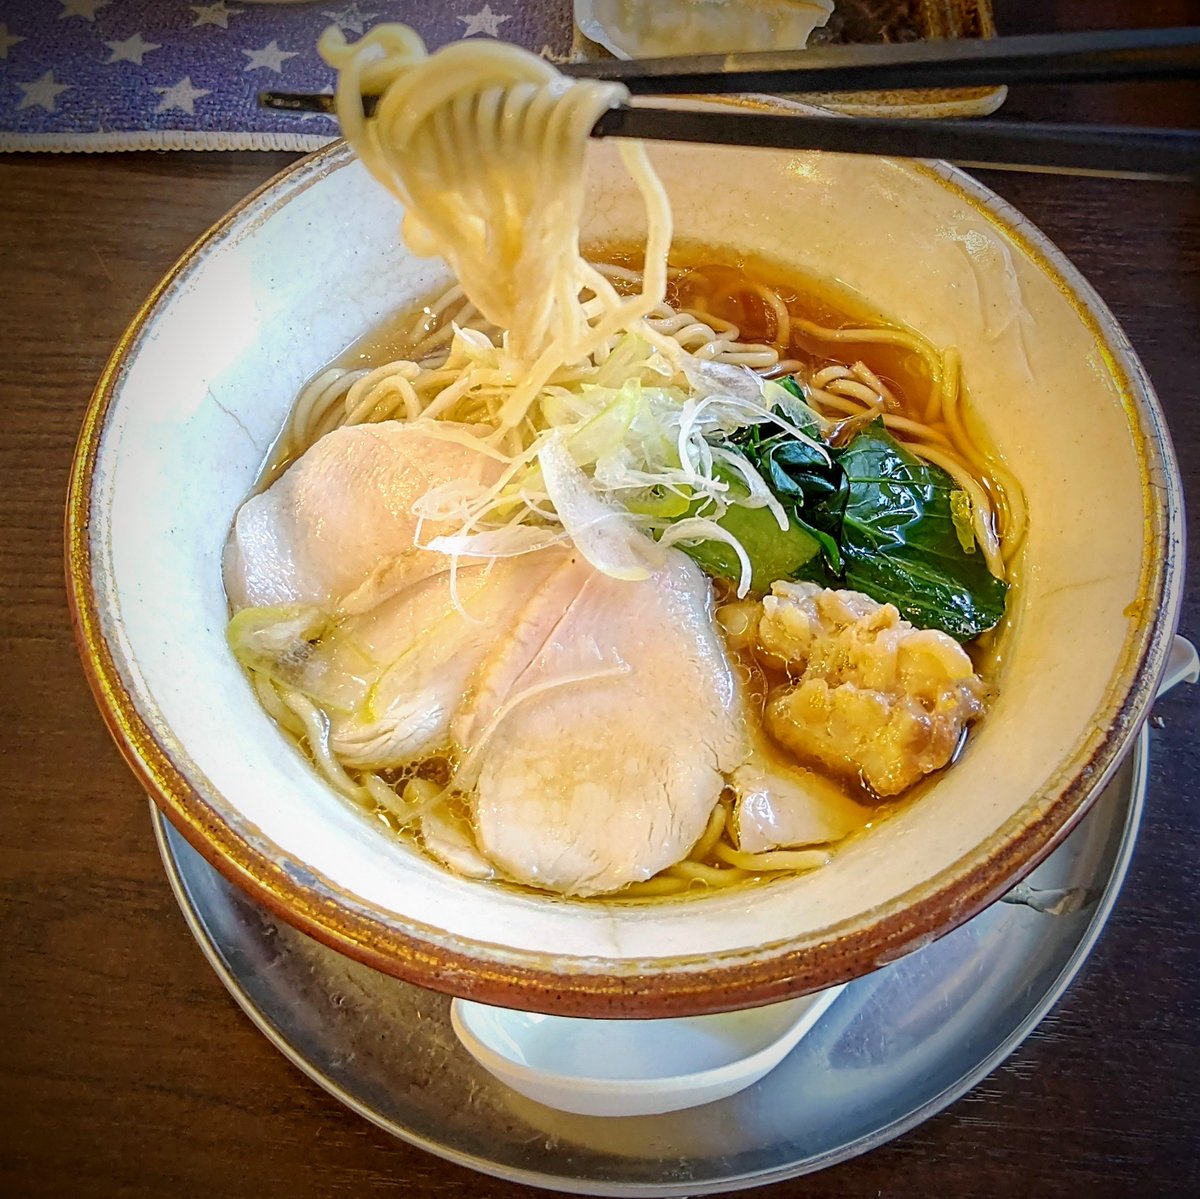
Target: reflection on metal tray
{"points": [[895, 1048], [862, 21]]}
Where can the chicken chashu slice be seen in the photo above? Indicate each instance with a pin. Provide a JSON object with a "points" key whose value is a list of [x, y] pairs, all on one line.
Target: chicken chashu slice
{"points": [[586, 784], [337, 529], [781, 805], [604, 795], [874, 699], [391, 679], [336, 532]]}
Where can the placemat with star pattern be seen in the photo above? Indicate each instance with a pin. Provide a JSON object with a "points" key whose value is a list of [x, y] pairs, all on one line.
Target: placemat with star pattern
{"points": [[169, 74]]}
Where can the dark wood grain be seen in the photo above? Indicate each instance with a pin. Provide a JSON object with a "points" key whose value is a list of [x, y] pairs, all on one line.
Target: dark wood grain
{"points": [[124, 1068]]}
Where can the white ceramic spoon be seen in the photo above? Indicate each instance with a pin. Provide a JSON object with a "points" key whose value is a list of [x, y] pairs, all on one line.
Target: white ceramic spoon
{"points": [[634, 1067]]}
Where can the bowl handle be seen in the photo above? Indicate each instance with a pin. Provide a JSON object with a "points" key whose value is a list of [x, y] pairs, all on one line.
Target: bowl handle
{"points": [[1183, 666]]}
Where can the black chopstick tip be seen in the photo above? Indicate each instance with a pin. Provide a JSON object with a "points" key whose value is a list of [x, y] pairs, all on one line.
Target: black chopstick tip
{"points": [[296, 102]]}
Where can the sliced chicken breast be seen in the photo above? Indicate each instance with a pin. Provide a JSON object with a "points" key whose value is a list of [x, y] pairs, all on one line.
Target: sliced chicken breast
{"points": [[599, 717], [395, 676], [337, 529], [783, 806], [609, 749], [450, 840], [512, 654]]}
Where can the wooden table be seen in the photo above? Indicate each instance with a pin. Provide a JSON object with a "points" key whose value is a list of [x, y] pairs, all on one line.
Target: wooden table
{"points": [[125, 1068]]}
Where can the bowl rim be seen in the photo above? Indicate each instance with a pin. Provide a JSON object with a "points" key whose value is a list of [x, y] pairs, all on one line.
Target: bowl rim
{"points": [[655, 987]]}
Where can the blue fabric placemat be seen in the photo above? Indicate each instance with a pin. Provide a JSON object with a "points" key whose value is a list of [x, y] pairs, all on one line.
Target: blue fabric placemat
{"points": [[169, 74]]}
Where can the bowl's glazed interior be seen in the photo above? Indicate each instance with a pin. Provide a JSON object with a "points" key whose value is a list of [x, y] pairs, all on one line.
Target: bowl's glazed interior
{"points": [[202, 383]]}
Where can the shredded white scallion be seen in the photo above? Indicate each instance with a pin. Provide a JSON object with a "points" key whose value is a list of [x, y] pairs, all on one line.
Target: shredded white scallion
{"points": [[696, 528], [606, 440], [602, 532]]}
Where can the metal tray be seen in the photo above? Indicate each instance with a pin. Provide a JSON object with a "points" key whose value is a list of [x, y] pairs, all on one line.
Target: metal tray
{"points": [[895, 1048]]}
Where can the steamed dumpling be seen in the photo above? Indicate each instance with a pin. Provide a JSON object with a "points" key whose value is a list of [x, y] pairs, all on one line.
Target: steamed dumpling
{"points": [[637, 29]]}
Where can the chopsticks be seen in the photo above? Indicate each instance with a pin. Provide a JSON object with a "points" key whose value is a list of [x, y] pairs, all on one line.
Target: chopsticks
{"points": [[1122, 152], [1099, 57], [1108, 151]]}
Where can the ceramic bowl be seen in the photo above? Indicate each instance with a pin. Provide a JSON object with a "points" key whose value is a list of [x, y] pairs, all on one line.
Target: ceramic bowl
{"points": [[202, 381]]}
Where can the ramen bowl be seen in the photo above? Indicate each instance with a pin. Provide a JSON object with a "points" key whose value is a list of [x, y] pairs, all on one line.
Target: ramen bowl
{"points": [[203, 380]]}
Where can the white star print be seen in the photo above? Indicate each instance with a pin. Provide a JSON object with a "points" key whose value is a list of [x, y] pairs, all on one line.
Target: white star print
{"points": [[351, 18], [214, 14], [182, 96], [269, 58], [484, 21], [132, 49], [7, 41], [86, 9], [42, 93]]}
